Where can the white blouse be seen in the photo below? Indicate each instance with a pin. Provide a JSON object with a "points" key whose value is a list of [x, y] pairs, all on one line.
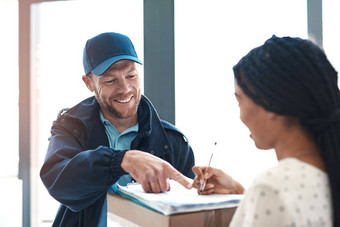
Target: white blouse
{"points": [[293, 193]]}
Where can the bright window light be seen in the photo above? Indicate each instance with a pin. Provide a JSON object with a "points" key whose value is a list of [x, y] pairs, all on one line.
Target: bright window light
{"points": [[211, 36]]}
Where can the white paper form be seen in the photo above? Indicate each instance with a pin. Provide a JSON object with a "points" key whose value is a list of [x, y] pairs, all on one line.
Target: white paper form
{"points": [[178, 199]]}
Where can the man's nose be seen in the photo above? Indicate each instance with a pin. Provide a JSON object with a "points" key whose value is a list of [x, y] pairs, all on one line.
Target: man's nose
{"points": [[123, 86]]}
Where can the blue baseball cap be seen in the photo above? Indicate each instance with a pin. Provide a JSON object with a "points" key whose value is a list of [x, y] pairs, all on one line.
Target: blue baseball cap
{"points": [[105, 49]]}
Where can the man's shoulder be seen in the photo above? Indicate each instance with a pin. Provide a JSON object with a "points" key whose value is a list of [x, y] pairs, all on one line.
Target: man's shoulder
{"points": [[168, 125], [172, 128], [79, 109]]}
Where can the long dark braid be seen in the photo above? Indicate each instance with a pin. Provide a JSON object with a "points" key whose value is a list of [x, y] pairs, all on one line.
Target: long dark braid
{"points": [[293, 77]]}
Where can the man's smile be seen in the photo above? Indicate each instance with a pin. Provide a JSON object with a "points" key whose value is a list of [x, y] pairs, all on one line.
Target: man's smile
{"points": [[124, 100]]}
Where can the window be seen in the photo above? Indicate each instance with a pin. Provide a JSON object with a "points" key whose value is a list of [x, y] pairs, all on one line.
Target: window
{"points": [[211, 36], [331, 33], [9, 134], [10, 89]]}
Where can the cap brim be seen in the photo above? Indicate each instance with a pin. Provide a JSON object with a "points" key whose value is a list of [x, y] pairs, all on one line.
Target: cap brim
{"points": [[102, 67]]}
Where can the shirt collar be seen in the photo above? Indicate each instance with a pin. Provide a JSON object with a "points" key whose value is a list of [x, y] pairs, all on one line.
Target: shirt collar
{"points": [[106, 123]]}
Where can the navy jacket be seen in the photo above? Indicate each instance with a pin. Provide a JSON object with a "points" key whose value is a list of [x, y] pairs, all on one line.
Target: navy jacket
{"points": [[80, 166]]}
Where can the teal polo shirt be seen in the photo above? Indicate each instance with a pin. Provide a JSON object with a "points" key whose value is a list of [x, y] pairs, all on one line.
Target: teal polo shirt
{"points": [[117, 142]]}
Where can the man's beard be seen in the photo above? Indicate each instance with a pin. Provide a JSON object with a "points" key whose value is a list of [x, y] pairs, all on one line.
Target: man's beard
{"points": [[113, 112]]}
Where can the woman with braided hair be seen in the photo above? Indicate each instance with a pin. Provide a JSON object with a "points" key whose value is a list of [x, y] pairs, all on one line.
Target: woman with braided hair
{"points": [[289, 99]]}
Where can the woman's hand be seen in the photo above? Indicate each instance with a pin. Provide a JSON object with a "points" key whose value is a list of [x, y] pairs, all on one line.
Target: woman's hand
{"points": [[217, 181]]}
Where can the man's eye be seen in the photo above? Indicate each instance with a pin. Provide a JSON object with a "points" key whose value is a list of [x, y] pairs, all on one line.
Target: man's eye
{"points": [[108, 81]]}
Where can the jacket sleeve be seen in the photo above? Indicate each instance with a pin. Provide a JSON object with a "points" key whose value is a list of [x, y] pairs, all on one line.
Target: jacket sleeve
{"points": [[182, 157], [74, 176], [186, 159]]}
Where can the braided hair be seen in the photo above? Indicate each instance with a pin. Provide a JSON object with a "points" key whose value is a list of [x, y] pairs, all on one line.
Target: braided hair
{"points": [[293, 77]]}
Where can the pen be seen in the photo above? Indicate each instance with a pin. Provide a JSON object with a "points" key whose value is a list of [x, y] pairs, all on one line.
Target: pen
{"points": [[205, 180]]}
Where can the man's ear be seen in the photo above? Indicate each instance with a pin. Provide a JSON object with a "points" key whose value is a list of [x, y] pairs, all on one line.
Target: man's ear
{"points": [[88, 82]]}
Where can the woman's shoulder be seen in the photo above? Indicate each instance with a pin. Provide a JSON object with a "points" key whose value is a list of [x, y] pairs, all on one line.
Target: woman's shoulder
{"points": [[294, 180], [291, 170], [291, 192]]}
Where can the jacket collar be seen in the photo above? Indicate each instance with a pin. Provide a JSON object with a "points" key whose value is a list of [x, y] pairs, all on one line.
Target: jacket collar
{"points": [[150, 126]]}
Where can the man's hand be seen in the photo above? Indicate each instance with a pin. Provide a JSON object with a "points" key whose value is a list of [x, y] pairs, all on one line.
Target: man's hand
{"points": [[152, 172]]}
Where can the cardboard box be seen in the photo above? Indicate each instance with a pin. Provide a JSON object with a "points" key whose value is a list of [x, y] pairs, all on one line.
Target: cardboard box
{"points": [[123, 212]]}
